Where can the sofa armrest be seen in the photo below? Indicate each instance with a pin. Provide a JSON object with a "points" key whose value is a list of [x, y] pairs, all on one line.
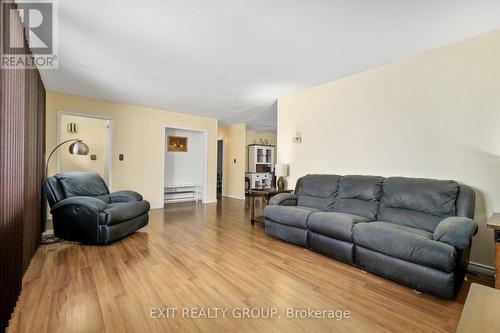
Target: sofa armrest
{"points": [[284, 199], [125, 196], [456, 231]]}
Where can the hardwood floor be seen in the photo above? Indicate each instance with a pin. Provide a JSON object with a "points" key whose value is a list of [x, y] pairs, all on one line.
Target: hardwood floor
{"points": [[201, 256]]}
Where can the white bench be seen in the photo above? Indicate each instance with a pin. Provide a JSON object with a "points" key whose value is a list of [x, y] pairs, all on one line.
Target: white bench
{"points": [[182, 192]]}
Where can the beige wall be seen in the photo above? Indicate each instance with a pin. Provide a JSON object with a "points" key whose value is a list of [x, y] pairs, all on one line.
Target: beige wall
{"points": [[436, 115], [139, 134], [233, 174], [253, 137], [93, 132]]}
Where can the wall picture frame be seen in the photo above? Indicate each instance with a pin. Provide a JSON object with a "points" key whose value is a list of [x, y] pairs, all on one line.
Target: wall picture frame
{"points": [[177, 144]]}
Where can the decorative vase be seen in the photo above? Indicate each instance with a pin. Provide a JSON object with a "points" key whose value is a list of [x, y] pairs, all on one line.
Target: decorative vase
{"points": [[281, 184]]}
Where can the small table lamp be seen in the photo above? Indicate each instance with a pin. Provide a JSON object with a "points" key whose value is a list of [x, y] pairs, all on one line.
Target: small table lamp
{"points": [[281, 171]]}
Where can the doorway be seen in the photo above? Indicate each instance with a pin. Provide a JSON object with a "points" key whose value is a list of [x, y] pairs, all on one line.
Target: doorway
{"points": [[185, 165], [220, 161], [96, 133]]}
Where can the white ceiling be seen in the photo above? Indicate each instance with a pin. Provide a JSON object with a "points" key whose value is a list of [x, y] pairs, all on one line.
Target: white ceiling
{"points": [[231, 59]]}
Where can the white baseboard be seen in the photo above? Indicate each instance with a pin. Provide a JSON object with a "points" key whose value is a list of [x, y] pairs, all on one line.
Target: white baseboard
{"points": [[156, 206], [474, 267], [171, 201], [233, 197], [210, 201]]}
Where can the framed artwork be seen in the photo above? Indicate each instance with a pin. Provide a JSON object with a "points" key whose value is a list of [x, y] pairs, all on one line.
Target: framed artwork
{"points": [[177, 144]]}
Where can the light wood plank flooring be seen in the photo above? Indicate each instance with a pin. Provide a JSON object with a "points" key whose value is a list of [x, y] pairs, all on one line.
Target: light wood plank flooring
{"points": [[198, 256]]}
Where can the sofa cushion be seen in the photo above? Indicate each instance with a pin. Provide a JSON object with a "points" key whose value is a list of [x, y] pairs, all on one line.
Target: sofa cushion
{"points": [[416, 231], [334, 224], [125, 196], [122, 211], [317, 191], [359, 195], [418, 203], [75, 184], [405, 243], [295, 216]]}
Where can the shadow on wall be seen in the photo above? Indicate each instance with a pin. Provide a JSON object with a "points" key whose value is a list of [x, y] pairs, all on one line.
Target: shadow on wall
{"points": [[480, 170], [483, 241]]}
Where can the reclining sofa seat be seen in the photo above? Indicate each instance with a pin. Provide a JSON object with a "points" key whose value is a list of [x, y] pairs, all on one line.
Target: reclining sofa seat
{"points": [[414, 231], [84, 211], [287, 215]]}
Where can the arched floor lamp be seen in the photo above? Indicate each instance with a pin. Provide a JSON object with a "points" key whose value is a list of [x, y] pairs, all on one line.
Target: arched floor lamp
{"points": [[78, 147]]}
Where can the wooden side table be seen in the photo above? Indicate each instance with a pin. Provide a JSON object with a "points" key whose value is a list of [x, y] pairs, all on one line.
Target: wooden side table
{"points": [[494, 223], [267, 194], [480, 313]]}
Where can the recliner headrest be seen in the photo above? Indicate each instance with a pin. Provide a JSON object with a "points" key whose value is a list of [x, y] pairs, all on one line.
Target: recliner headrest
{"points": [[82, 184]]}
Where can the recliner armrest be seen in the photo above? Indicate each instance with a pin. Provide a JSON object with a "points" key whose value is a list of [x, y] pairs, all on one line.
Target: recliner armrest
{"points": [[125, 196], [88, 202], [284, 199], [456, 231], [78, 218]]}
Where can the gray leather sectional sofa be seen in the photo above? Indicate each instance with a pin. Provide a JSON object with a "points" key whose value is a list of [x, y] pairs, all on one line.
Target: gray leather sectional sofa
{"points": [[414, 231]]}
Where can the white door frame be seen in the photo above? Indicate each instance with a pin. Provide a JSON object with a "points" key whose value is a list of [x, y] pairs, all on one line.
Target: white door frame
{"points": [[204, 132], [109, 141]]}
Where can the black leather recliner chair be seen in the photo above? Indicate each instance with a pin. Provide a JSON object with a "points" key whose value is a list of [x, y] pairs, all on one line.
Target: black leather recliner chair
{"points": [[84, 211]]}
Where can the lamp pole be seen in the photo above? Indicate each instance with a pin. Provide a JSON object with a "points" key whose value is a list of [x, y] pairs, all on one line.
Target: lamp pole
{"points": [[81, 149], [53, 151]]}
